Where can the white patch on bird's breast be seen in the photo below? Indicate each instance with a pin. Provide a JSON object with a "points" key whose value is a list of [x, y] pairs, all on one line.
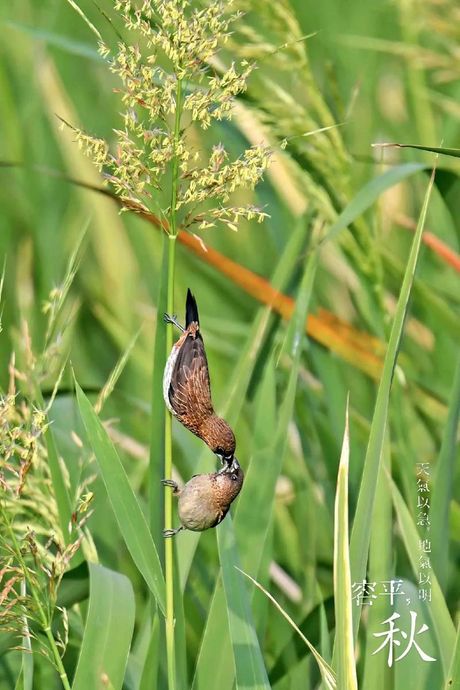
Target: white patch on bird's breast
{"points": [[169, 368]]}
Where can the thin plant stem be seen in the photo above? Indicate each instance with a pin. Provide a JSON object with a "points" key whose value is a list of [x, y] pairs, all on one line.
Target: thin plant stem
{"points": [[169, 555], [44, 620]]}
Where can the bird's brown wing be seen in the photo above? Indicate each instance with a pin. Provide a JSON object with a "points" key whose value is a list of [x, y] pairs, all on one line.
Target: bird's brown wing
{"points": [[190, 388], [220, 516]]}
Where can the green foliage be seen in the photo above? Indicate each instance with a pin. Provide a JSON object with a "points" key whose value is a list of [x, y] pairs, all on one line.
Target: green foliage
{"points": [[104, 648]]}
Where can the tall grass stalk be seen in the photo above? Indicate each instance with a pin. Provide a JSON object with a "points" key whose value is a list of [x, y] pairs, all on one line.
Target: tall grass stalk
{"points": [[169, 554]]}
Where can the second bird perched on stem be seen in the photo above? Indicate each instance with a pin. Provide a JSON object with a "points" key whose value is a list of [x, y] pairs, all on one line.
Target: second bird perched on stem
{"points": [[187, 388], [205, 500]]}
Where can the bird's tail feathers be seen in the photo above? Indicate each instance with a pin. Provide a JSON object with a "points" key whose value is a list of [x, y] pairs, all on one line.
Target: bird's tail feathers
{"points": [[191, 310]]}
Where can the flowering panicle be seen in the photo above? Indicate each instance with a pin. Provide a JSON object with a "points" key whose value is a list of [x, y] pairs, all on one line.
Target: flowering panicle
{"points": [[171, 80], [33, 551]]}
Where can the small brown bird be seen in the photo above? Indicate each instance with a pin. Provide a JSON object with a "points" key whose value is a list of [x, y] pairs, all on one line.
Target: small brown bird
{"points": [[187, 388], [205, 500]]}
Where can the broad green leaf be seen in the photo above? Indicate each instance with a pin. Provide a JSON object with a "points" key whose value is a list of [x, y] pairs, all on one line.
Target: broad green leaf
{"points": [[249, 664], [344, 647], [439, 613], [361, 532], [126, 509], [443, 485], [108, 631]]}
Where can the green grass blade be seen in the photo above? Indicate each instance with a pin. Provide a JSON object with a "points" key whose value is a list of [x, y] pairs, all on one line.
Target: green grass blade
{"points": [[442, 622], [87, 21], [108, 631], [152, 660], [443, 481], [344, 648], [143, 662], [453, 677], [109, 385], [62, 42], [327, 674], [377, 675], [361, 532], [126, 509], [411, 673], [59, 486], [211, 670], [249, 664], [368, 194], [441, 150], [157, 413], [27, 663]]}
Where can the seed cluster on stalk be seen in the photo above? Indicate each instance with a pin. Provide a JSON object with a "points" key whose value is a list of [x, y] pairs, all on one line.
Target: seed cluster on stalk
{"points": [[34, 554], [171, 69]]}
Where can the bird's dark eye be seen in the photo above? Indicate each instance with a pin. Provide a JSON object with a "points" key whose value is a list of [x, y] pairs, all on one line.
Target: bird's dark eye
{"points": [[234, 477]]}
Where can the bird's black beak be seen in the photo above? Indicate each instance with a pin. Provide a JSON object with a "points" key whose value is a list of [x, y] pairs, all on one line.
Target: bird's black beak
{"points": [[235, 465], [230, 465]]}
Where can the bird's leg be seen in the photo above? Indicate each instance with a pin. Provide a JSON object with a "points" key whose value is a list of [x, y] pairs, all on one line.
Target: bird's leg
{"points": [[167, 533], [173, 319], [170, 482]]}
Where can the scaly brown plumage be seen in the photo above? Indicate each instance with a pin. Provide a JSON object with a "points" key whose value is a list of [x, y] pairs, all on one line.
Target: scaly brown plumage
{"points": [[205, 500], [187, 388]]}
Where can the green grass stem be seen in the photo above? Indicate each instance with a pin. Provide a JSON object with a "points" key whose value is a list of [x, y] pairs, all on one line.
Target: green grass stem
{"points": [[169, 554]]}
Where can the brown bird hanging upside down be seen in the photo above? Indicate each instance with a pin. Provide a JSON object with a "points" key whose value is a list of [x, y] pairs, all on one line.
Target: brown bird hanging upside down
{"points": [[205, 500], [187, 388]]}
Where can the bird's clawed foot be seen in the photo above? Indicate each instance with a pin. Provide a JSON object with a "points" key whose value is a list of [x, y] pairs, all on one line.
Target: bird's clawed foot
{"points": [[167, 533], [173, 319], [170, 482]]}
